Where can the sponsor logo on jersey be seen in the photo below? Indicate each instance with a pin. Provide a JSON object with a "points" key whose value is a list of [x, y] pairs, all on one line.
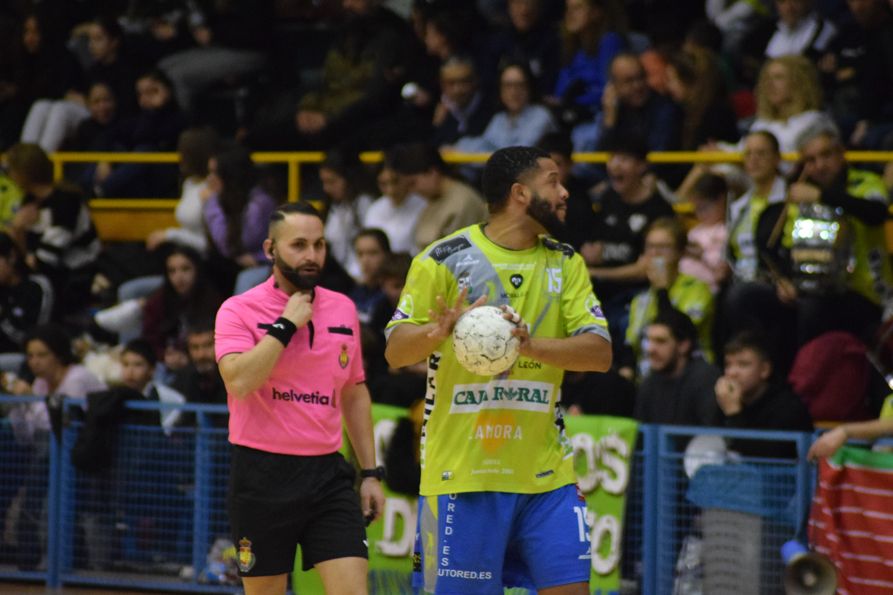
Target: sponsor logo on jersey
{"points": [[444, 250], [503, 394], [516, 280], [313, 398], [593, 307]]}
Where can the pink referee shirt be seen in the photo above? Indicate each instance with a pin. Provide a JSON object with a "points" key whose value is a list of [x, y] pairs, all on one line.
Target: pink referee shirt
{"points": [[297, 410]]}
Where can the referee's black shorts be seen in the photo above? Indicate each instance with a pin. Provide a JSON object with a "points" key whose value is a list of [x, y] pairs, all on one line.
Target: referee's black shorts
{"points": [[278, 501]]}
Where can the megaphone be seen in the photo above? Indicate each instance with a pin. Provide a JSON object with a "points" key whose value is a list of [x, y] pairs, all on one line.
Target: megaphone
{"points": [[806, 572]]}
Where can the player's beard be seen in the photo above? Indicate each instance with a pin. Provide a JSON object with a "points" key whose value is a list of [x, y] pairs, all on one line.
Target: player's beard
{"points": [[302, 278], [542, 212]]}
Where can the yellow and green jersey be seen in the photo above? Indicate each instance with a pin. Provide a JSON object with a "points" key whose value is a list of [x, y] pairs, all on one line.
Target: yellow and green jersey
{"points": [[690, 296], [501, 433]]}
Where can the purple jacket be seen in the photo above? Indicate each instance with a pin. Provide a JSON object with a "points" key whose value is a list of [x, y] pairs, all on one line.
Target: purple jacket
{"points": [[255, 221]]}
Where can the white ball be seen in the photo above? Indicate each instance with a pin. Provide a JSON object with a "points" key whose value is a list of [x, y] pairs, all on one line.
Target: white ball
{"points": [[483, 341]]}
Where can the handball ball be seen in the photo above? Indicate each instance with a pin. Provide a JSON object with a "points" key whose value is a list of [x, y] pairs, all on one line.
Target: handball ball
{"points": [[483, 341]]}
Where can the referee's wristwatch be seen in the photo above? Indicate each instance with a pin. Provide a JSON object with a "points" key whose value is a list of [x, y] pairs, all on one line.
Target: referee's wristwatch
{"points": [[376, 472]]}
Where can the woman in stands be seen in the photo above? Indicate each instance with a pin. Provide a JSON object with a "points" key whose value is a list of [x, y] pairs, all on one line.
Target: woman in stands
{"points": [[695, 83], [55, 372], [344, 184], [237, 214], [789, 100], [185, 296], [521, 122]]}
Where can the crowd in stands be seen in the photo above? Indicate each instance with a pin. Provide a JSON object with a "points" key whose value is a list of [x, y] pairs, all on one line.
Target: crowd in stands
{"points": [[713, 316]]}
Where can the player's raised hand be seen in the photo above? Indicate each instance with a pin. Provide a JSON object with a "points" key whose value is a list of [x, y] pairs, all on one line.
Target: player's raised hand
{"points": [[444, 319]]}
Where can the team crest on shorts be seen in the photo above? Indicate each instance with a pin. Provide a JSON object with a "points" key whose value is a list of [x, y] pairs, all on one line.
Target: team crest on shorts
{"points": [[343, 358], [245, 559]]}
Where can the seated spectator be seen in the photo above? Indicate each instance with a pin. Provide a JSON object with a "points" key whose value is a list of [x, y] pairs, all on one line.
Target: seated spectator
{"points": [[361, 80], [799, 30], [344, 184], [200, 381], [521, 122], [789, 100], [56, 373], [26, 300], [236, 214], [55, 105], [580, 218], [613, 251], [736, 19], [591, 40], [668, 287], [695, 83], [156, 127], [750, 399], [678, 388], [102, 130], [631, 110], [705, 253], [35, 66], [110, 61], [451, 204], [54, 229], [231, 41], [861, 196], [186, 295], [463, 109], [530, 38], [372, 249], [397, 210], [195, 147], [138, 373]]}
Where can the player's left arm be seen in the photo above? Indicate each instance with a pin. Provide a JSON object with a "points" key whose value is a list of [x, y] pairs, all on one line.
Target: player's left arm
{"points": [[356, 407], [585, 352]]}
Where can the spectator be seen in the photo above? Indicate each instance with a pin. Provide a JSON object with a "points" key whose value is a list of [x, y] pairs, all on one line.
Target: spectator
{"points": [[463, 109], [861, 195], [137, 373], [102, 130], [631, 110], [110, 62], [591, 39], [200, 380], [451, 204], [788, 99], [156, 127], [668, 287], [26, 300], [185, 296], [53, 116], [678, 389], [372, 248], [750, 399], [397, 210], [231, 41], [195, 147], [56, 374], [236, 215], [695, 83], [736, 19], [362, 75], [521, 122], [54, 229], [625, 209], [36, 67], [580, 218], [705, 253], [343, 183], [531, 39], [799, 30]]}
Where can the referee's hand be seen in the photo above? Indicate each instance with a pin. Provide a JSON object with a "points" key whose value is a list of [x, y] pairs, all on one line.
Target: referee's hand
{"points": [[371, 499], [299, 309]]}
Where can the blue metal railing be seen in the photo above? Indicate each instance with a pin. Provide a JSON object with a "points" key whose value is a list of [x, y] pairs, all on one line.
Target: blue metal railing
{"points": [[150, 520]]}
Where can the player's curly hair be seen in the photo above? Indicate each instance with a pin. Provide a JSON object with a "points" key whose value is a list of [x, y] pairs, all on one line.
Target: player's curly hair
{"points": [[505, 167]]}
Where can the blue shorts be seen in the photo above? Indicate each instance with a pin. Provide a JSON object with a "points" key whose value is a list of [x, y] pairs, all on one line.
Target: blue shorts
{"points": [[480, 542]]}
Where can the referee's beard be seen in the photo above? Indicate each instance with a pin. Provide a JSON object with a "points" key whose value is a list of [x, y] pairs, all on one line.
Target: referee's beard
{"points": [[304, 278]]}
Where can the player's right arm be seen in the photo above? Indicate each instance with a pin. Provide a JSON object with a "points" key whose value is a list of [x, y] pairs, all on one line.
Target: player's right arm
{"points": [[411, 343], [245, 372]]}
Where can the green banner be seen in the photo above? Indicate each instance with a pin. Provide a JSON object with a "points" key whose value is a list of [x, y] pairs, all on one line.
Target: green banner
{"points": [[603, 447]]}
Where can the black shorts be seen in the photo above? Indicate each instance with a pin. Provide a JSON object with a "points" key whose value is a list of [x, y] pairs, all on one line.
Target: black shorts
{"points": [[278, 501]]}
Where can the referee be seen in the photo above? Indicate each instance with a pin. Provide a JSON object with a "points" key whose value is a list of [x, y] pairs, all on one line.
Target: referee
{"points": [[289, 354]]}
